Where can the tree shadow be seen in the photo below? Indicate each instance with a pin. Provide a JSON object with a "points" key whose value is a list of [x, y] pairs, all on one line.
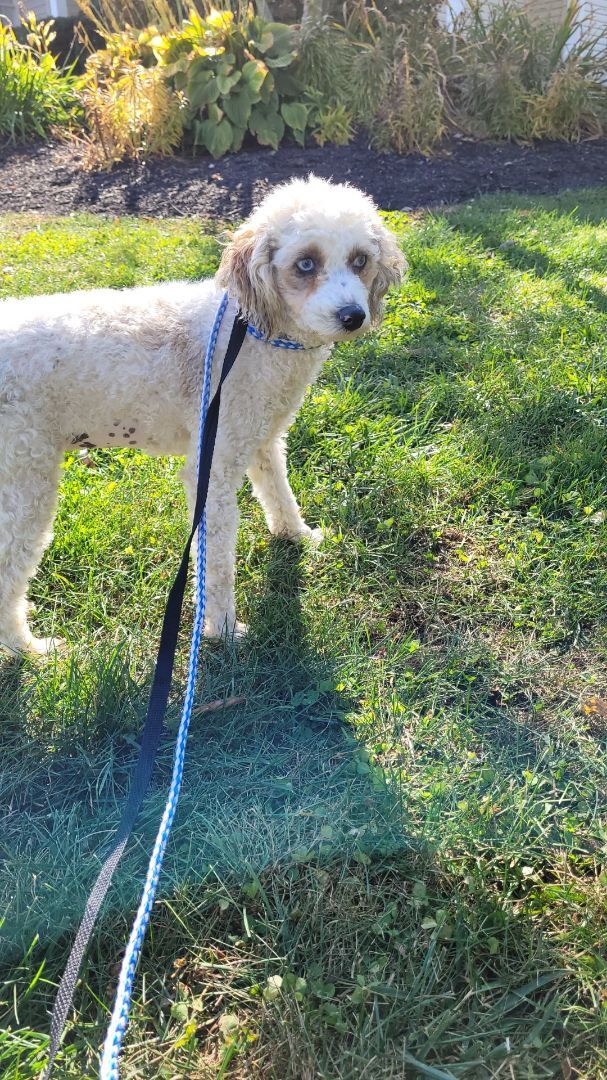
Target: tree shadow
{"points": [[524, 257]]}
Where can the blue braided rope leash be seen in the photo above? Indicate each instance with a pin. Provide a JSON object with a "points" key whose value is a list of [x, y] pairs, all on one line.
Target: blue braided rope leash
{"points": [[108, 1069]]}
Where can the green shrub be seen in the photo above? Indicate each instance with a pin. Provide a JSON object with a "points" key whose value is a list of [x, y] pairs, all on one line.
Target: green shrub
{"points": [[235, 77], [397, 87], [412, 116], [398, 13], [227, 75], [329, 122], [344, 70], [371, 74], [516, 79], [496, 73], [572, 107], [324, 62], [130, 109], [35, 95]]}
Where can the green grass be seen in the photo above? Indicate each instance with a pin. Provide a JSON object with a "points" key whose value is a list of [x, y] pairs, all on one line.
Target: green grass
{"points": [[407, 821]]}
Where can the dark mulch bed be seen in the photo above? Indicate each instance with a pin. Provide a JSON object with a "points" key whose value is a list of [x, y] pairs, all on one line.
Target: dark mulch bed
{"points": [[50, 178]]}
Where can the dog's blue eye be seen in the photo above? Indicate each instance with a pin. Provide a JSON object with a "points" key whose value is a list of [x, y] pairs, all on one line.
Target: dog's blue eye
{"points": [[305, 266], [359, 262]]}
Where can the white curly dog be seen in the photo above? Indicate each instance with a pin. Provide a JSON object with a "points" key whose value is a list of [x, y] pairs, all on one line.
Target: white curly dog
{"points": [[123, 368]]}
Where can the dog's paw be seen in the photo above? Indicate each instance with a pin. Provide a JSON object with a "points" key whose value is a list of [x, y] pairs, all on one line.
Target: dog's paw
{"points": [[44, 646], [233, 631], [316, 537], [304, 534]]}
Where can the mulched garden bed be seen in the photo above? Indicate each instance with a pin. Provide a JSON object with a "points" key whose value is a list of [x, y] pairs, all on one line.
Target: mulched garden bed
{"points": [[49, 177]]}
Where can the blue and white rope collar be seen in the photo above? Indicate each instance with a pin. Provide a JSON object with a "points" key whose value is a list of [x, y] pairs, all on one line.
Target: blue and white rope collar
{"points": [[278, 343]]}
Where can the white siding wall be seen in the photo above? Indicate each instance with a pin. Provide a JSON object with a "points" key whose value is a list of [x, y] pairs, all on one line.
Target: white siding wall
{"points": [[556, 9], [545, 10], [599, 11], [43, 9], [8, 9], [63, 7]]}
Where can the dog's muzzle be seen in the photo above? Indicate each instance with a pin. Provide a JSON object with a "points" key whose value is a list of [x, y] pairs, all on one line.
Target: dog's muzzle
{"points": [[351, 317]]}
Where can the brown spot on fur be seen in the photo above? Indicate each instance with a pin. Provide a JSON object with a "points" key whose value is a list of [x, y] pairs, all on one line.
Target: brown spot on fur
{"points": [[365, 272], [389, 269], [294, 281], [246, 271], [312, 252]]}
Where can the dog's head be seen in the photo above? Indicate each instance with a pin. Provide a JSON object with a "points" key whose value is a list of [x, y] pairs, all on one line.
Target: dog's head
{"points": [[313, 262]]}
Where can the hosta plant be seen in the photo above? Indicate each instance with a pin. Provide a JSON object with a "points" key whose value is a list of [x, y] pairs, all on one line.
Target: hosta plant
{"points": [[235, 77]]}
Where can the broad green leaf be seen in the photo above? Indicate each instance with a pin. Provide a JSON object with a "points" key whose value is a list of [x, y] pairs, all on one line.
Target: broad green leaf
{"points": [[267, 125], [269, 97], [295, 115], [216, 137], [283, 37], [237, 139], [264, 43], [281, 61], [214, 113], [254, 73], [226, 82], [238, 108], [202, 89]]}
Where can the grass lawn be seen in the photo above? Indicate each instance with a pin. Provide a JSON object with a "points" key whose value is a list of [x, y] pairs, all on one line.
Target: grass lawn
{"points": [[391, 861]]}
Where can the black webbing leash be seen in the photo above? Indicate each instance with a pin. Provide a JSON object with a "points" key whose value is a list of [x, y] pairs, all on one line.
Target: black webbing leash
{"points": [[152, 730]]}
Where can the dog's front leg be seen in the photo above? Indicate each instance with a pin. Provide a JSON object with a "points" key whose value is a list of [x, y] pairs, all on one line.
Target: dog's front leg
{"points": [[28, 495], [222, 518], [268, 475]]}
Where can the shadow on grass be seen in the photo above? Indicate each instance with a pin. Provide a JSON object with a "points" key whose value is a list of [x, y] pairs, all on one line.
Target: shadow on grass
{"points": [[294, 857], [278, 783]]}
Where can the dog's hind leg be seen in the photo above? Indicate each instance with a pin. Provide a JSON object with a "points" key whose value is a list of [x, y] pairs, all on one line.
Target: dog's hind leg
{"points": [[29, 478], [268, 475]]}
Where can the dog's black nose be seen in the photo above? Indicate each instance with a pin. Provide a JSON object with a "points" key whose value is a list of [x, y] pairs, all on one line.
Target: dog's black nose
{"points": [[351, 317]]}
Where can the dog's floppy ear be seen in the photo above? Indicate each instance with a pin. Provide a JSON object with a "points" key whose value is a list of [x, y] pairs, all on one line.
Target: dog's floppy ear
{"points": [[246, 272], [391, 267]]}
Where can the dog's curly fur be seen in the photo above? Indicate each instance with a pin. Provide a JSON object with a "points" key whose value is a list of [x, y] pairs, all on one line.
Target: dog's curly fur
{"points": [[123, 368]]}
